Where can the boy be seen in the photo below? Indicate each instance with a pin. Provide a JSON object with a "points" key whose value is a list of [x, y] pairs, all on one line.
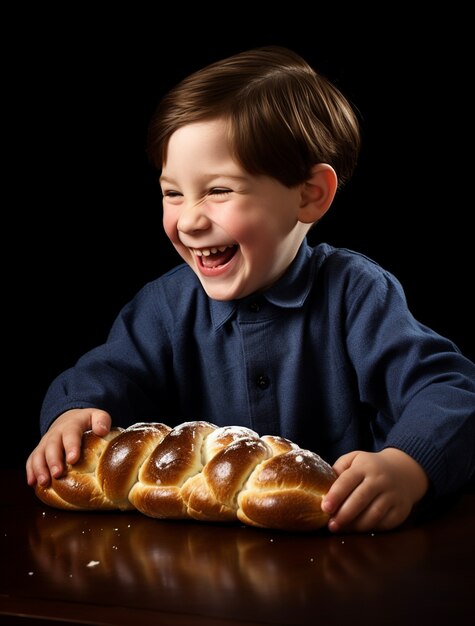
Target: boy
{"points": [[257, 328]]}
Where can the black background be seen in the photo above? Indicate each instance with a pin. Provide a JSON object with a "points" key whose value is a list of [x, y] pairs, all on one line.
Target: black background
{"points": [[82, 214]]}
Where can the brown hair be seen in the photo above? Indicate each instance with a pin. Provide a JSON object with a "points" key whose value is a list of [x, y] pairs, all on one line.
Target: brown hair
{"points": [[282, 117]]}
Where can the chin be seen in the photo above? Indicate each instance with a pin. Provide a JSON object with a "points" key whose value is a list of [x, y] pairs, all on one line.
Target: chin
{"points": [[220, 292]]}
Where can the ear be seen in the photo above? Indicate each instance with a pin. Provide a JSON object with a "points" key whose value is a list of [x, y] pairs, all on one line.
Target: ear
{"points": [[317, 193]]}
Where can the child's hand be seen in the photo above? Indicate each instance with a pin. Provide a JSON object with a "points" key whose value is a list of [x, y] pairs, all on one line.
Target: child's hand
{"points": [[374, 491], [62, 443]]}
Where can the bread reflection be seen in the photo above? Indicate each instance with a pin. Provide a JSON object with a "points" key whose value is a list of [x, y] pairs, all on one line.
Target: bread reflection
{"points": [[149, 559]]}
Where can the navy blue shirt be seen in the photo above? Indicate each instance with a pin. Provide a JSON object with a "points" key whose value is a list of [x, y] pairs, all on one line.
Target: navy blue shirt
{"points": [[329, 357]]}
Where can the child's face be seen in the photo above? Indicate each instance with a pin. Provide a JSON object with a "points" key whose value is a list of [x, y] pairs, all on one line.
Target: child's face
{"points": [[238, 232]]}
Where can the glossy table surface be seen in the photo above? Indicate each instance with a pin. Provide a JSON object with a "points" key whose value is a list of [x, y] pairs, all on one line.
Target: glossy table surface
{"points": [[116, 568]]}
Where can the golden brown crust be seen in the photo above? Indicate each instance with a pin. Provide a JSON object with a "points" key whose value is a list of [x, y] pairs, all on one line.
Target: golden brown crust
{"points": [[212, 494], [286, 492], [174, 460], [118, 468], [197, 471]]}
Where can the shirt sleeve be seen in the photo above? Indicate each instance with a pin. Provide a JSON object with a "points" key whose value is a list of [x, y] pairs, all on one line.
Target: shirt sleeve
{"points": [[422, 387]]}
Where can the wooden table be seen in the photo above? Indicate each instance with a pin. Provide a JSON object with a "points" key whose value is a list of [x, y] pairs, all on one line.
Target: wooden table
{"points": [[124, 568]]}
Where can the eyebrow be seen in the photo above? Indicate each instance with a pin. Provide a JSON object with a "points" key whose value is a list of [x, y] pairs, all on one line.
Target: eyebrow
{"points": [[209, 177]]}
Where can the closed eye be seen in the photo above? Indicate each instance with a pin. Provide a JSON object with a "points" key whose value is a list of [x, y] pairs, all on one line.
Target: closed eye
{"points": [[219, 191]]}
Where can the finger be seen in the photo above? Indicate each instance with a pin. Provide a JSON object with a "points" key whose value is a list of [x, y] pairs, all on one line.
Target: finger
{"points": [[351, 502], [72, 445], [54, 454], [362, 512], [384, 513], [344, 462], [340, 490], [36, 469], [100, 423], [30, 475]]}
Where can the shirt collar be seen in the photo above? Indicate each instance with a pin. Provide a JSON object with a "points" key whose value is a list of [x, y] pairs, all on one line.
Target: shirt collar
{"points": [[290, 291]]}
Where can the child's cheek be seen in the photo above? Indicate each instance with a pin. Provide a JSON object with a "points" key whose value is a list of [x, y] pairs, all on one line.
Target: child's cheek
{"points": [[169, 226]]}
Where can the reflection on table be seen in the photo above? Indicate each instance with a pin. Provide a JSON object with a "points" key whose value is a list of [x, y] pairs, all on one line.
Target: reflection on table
{"points": [[230, 573]]}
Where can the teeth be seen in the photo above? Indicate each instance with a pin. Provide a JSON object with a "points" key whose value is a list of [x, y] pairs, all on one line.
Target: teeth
{"points": [[208, 251]]}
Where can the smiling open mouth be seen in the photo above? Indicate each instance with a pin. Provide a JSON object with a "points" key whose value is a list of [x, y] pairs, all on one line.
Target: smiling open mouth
{"points": [[215, 257]]}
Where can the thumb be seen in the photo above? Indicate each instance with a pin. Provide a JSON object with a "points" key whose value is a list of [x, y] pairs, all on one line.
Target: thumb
{"points": [[344, 462], [100, 422]]}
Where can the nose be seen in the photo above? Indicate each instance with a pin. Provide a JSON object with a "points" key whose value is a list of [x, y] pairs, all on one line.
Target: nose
{"points": [[193, 217]]}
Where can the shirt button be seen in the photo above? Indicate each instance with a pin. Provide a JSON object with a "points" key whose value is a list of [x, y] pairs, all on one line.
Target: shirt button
{"points": [[262, 381], [255, 307]]}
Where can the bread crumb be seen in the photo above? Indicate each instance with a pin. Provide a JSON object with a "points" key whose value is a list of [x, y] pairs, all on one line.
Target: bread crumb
{"points": [[93, 563]]}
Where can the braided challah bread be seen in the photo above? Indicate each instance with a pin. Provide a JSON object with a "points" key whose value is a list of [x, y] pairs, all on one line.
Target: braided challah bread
{"points": [[196, 470]]}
